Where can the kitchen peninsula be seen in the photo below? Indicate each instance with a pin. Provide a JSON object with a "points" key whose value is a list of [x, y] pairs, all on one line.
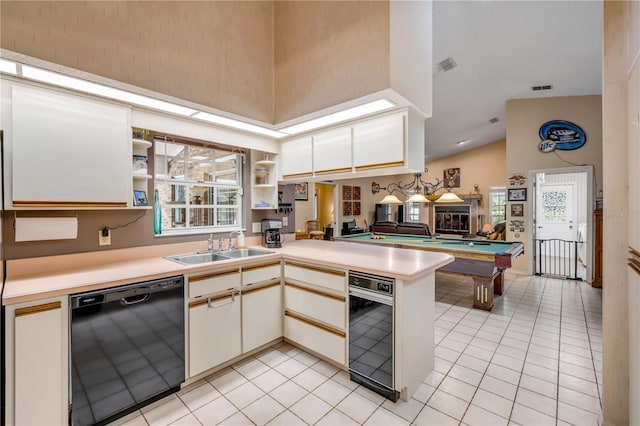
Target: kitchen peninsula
{"points": [[308, 278]]}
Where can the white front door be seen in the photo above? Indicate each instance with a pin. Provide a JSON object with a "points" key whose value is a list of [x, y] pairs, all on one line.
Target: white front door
{"points": [[555, 212]]}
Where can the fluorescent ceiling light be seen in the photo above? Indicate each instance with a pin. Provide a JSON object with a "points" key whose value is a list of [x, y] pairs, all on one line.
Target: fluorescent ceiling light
{"points": [[8, 67], [337, 117], [229, 122], [100, 90]]}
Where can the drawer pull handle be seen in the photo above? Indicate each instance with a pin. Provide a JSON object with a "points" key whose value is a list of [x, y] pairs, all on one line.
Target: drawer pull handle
{"points": [[486, 296], [227, 302]]}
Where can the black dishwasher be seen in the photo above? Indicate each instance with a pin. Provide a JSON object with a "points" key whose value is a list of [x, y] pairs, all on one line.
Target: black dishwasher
{"points": [[127, 348]]}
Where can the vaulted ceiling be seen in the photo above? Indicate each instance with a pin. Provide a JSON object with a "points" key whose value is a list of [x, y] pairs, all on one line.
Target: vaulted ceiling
{"points": [[502, 49]]}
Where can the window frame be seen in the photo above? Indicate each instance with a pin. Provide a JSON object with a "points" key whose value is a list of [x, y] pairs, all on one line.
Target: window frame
{"points": [[188, 182], [502, 191]]}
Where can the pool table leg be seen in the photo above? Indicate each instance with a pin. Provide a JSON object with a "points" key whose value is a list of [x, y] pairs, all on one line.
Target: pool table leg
{"points": [[483, 289], [497, 282]]}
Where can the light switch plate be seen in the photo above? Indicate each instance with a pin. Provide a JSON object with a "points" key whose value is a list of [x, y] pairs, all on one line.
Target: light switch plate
{"points": [[285, 221], [256, 227]]}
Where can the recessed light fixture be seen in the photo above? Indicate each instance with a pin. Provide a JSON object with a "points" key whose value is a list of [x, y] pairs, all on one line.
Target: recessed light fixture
{"points": [[336, 117], [448, 64], [542, 87], [462, 142], [218, 119]]}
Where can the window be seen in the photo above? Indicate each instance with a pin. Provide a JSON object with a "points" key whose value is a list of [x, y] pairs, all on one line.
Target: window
{"points": [[199, 187], [497, 205], [413, 212]]}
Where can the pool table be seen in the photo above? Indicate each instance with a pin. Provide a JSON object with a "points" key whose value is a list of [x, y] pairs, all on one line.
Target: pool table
{"points": [[483, 260]]}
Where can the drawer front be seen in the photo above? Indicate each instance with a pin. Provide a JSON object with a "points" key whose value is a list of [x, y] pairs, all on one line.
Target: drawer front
{"points": [[329, 344], [334, 280], [325, 308], [257, 273], [213, 282]]}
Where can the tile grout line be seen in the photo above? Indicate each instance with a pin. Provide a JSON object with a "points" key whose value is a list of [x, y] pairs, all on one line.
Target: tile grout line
{"points": [[592, 360], [489, 362], [527, 351]]}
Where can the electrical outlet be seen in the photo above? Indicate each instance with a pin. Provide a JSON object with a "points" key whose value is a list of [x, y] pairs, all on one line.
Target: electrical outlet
{"points": [[102, 240], [256, 227], [285, 221]]}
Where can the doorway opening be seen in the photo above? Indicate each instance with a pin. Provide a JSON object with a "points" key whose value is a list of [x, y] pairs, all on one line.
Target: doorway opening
{"points": [[326, 194], [563, 222]]}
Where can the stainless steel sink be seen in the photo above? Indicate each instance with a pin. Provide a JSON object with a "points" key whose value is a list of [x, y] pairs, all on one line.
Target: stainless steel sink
{"points": [[244, 252], [197, 258]]}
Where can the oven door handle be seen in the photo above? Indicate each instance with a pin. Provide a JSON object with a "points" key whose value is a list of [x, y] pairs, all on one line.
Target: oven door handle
{"points": [[370, 295]]}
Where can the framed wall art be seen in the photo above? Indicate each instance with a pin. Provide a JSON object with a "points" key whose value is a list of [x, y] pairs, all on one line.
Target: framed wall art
{"points": [[517, 194], [517, 210], [302, 191]]}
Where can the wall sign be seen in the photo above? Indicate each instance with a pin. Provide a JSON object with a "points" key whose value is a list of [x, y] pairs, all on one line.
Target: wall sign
{"points": [[561, 135]]}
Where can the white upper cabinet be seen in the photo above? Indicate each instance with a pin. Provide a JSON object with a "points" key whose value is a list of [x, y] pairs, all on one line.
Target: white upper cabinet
{"points": [[332, 151], [296, 157], [379, 142], [390, 143], [68, 151]]}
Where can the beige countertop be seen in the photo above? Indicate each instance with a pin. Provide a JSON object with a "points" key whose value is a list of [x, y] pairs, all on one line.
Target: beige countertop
{"points": [[41, 278]]}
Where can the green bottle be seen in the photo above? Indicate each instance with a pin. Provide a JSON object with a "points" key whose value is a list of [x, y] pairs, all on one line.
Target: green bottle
{"points": [[157, 215]]}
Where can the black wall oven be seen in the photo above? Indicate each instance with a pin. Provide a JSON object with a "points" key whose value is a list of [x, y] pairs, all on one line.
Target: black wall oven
{"points": [[371, 347], [127, 348]]}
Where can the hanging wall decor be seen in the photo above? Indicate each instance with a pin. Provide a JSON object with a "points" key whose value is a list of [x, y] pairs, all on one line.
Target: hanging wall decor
{"points": [[560, 135]]}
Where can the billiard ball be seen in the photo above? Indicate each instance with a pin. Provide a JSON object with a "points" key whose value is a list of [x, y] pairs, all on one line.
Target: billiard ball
{"points": [[470, 244]]}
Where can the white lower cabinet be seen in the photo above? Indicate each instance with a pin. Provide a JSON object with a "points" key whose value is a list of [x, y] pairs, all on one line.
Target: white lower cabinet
{"points": [[261, 304], [315, 305], [322, 340], [214, 331], [214, 319], [37, 385], [261, 315], [328, 308]]}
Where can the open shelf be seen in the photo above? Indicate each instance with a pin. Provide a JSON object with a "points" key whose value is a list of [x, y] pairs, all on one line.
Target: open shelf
{"points": [[141, 143], [141, 176]]}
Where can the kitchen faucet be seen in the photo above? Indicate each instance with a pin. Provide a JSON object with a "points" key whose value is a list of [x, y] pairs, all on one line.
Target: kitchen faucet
{"points": [[220, 243], [231, 246], [210, 243]]}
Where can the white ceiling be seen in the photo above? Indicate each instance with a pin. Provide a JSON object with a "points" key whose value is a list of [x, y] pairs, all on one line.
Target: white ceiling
{"points": [[502, 48]]}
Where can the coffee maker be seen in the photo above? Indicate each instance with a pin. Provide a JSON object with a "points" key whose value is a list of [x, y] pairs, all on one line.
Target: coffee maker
{"points": [[271, 236]]}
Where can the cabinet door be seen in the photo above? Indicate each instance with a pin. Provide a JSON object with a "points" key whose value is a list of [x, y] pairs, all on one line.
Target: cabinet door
{"points": [[214, 331], [261, 315], [39, 347], [379, 142], [332, 151], [296, 157], [68, 151]]}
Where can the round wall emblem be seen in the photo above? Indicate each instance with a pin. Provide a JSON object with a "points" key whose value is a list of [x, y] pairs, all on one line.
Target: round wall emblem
{"points": [[561, 135]]}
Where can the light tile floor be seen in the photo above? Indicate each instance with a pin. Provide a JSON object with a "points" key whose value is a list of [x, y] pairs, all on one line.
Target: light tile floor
{"points": [[536, 359]]}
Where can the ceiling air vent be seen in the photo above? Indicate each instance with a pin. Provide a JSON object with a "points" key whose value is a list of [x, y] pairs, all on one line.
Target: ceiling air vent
{"points": [[448, 64], [494, 120], [543, 87]]}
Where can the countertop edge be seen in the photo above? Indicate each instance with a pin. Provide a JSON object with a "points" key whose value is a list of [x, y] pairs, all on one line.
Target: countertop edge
{"points": [[29, 288]]}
